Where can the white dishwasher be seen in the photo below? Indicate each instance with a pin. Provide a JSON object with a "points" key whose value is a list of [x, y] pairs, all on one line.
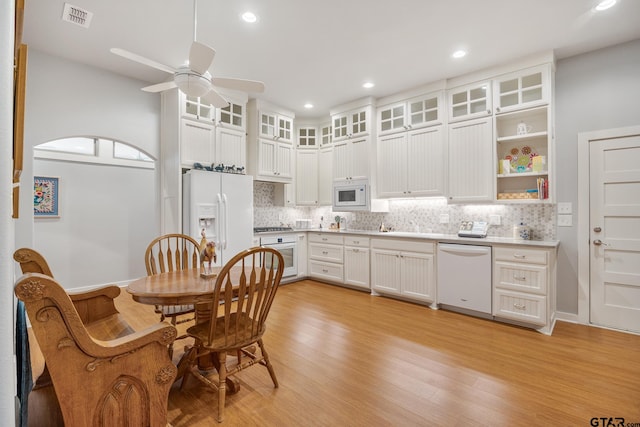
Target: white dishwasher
{"points": [[464, 277]]}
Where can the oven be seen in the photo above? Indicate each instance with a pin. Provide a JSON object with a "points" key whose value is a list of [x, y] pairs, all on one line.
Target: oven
{"points": [[286, 245]]}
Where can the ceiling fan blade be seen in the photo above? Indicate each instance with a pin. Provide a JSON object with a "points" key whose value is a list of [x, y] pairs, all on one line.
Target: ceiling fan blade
{"points": [[239, 84], [215, 99], [160, 87], [142, 60], [200, 57]]}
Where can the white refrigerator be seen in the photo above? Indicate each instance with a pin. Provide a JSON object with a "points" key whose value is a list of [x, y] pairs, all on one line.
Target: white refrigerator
{"points": [[222, 205]]}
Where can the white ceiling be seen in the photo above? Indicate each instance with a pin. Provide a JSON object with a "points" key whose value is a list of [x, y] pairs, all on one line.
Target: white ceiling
{"points": [[322, 51]]}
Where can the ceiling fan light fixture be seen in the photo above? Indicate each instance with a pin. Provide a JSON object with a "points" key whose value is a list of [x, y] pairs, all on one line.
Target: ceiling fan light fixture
{"points": [[192, 84]]}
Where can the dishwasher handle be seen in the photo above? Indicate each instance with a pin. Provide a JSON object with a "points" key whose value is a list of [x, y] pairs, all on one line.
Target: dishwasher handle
{"points": [[465, 249]]}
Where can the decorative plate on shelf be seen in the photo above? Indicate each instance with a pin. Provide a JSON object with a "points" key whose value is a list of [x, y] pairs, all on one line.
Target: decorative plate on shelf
{"points": [[521, 158]]}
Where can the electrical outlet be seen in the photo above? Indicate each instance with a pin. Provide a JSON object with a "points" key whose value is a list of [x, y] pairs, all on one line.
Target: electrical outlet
{"points": [[565, 220], [495, 220], [564, 208], [444, 218]]}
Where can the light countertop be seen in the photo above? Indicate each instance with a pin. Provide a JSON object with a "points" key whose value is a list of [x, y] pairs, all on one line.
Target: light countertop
{"points": [[444, 238]]}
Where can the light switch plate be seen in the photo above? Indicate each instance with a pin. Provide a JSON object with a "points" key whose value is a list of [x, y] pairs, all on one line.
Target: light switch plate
{"points": [[444, 218], [565, 220], [564, 208]]}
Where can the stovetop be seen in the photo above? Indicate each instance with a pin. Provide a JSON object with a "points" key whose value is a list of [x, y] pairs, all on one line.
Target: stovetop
{"points": [[267, 229]]}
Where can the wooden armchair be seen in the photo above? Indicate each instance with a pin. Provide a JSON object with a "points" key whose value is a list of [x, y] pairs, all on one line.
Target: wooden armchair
{"points": [[245, 289], [96, 308], [120, 381]]}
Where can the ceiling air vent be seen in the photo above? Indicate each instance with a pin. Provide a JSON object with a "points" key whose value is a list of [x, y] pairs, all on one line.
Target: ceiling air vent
{"points": [[76, 15]]}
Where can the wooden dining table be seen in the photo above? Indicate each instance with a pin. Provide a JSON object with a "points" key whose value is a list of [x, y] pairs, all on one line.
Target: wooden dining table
{"points": [[184, 287]]}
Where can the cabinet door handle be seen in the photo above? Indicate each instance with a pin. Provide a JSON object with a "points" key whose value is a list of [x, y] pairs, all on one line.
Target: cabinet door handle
{"points": [[356, 250], [519, 306], [325, 253], [325, 271], [519, 256], [519, 277]]}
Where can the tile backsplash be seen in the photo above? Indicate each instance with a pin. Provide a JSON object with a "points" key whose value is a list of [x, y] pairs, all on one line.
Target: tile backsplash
{"points": [[419, 215]]}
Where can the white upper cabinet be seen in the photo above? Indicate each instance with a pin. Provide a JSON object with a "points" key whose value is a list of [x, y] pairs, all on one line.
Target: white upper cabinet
{"points": [[270, 153], [276, 126], [522, 89], [351, 124], [470, 101], [307, 178], [411, 164], [308, 137], [233, 116], [410, 114], [326, 134], [325, 176], [193, 108], [212, 136], [352, 133], [351, 159], [470, 165]]}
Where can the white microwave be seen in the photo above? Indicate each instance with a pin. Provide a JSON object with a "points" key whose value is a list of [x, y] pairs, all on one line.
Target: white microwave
{"points": [[351, 195]]}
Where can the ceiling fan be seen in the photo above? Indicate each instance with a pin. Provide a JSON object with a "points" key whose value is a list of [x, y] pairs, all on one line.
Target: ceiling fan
{"points": [[194, 78]]}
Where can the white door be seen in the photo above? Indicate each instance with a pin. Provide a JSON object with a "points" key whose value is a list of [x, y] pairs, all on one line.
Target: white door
{"points": [[614, 228]]}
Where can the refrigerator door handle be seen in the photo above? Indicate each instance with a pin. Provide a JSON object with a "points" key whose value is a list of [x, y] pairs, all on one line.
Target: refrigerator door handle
{"points": [[226, 220], [220, 220]]}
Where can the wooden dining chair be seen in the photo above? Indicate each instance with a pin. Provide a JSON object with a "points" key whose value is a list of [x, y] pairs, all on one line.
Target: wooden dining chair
{"points": [[172, 252], [238, 321]]}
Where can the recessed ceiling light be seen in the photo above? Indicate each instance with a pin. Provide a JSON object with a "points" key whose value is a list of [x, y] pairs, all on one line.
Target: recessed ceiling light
{"points": [[459, 54], [249, 17], [368, 85], [308, 105], [605, 4]]}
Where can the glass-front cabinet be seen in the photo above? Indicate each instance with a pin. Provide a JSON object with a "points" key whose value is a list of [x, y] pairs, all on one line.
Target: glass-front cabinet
{"points": [[522, 89], [276, 126], [351, 124], [326, 134], [307, 137], [470, 101], [409, 114]]}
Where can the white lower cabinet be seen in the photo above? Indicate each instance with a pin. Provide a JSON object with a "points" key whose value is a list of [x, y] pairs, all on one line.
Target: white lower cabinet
{"points": [[326, 257], [403, 268], [301, 248], [524, 285], [356, 261]]}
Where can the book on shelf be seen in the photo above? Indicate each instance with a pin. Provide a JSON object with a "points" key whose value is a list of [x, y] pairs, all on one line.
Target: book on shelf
{"points": [[543, 188]]}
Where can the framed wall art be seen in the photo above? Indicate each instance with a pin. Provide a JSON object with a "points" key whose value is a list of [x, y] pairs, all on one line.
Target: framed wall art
{"points": [[46, 192]]}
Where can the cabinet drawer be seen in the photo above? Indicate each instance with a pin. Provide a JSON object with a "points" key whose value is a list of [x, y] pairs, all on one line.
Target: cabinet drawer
{"points": [[519, 306], [531, 256], [326, 270], [359, 241], [330, 253], [520, 277], [404, 245], [325, 238]]}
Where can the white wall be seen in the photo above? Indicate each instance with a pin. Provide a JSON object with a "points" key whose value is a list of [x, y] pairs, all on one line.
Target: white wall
{"points": [[70, 99], [108, 215], [597, 90]]}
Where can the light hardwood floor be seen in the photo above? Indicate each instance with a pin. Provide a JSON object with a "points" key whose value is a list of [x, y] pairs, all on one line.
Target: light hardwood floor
{"points": [[345, 358]]}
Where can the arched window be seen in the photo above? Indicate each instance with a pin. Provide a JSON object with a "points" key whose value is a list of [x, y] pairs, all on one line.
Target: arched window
{"points": [[94, 150]]}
